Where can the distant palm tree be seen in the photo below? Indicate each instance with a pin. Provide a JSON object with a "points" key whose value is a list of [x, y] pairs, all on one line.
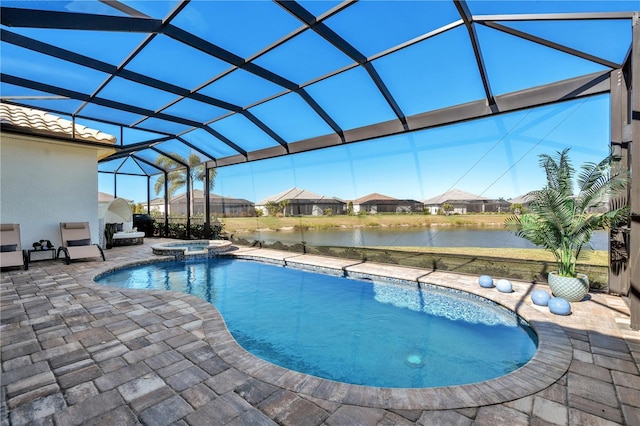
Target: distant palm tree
{"points": [[177, 177], [272, 207], [516, 208], [283, 206]]}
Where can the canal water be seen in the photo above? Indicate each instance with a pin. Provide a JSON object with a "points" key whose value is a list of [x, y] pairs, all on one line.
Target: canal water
{"points": [[408, 237]]}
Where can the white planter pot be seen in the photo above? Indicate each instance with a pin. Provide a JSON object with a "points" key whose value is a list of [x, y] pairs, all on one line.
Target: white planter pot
{"points": [[570, 289]]}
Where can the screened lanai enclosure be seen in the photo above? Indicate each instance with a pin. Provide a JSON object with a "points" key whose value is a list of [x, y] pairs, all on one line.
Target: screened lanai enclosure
{"points": [[397, 101]]}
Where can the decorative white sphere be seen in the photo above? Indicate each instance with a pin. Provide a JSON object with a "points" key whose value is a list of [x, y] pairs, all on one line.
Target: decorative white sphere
{"points": [[504, 286], [559, 306], [485, 281], [540, 297]]}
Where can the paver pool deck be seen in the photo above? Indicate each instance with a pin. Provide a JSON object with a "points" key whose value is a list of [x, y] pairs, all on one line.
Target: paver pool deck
{"points": [[77, 353]]}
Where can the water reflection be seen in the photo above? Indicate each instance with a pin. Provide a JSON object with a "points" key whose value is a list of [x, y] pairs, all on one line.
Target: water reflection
{"points": [[412, 237]]}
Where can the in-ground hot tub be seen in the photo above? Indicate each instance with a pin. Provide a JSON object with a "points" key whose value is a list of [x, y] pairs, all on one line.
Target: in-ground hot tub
{"points": [[192, 248]]}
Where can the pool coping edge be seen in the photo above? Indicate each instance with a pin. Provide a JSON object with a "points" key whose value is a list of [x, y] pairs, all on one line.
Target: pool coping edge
{"points": [[549, 364]]}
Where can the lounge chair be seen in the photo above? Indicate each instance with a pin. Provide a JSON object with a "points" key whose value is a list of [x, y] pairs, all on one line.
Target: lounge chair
{"points": [[76, 242], [11, 253], [125, 235]]}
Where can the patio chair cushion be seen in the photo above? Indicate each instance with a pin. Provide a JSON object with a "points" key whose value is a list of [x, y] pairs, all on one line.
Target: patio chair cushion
{"points": [[10, 247], [77, 243], [74, 225]]}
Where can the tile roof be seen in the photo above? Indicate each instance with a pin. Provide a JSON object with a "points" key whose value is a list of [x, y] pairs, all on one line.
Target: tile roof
{"points": [[374, 196], [522, 199], [453, 195], [198, 194], [295, 194], [46, 124], [103, 197]]}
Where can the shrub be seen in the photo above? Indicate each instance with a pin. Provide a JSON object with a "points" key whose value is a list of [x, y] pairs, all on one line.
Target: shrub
{"points": [[196, 231]]}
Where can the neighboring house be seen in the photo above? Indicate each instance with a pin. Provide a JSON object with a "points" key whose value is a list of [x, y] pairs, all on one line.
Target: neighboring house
{"points": [[103, 197], [524, 200], [465, 202], [157, 205], [303, 202], [48, 172], [378, 203], [222, 206], [527, 198]]}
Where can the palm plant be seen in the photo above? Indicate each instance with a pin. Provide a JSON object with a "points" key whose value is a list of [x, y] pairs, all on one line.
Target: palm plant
{"points": [[563, 222], [177, 177], [272, 208]]}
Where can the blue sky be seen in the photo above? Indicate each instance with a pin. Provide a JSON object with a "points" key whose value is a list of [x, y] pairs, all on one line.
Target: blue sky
{"points": [[494, 157]]}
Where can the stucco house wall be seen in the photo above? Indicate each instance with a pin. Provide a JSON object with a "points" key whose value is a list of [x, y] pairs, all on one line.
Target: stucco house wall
{"points": [[43, 183]]}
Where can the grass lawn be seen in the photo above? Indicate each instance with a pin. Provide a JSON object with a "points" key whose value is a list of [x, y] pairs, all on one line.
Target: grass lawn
{"points": [[588, 257]]}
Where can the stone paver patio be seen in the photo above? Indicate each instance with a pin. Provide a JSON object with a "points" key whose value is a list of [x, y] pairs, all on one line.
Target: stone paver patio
{"points": [[74, 352]]}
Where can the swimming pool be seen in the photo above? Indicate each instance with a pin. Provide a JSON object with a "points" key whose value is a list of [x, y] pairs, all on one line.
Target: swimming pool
{"points": [[353, 331]]}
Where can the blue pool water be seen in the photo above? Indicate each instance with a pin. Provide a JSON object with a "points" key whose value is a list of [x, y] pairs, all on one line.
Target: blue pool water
{"points": [[353, 331]]}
